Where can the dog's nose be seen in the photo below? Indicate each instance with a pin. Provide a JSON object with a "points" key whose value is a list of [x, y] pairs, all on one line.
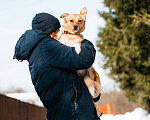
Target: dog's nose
{"points": [[75, 27]]}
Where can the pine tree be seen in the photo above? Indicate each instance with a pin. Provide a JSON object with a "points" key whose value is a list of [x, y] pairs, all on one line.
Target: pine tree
{"points": [[125, 44]]}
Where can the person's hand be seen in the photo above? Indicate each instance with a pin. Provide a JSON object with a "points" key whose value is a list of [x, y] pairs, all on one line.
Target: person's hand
{"points": [[97, 89]]}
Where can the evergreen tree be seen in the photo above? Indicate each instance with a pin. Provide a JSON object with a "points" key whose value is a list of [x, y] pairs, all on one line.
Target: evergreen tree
{"points": [[125, 44]]}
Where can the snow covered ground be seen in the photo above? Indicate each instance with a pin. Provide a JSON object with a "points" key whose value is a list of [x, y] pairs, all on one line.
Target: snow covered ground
{"points": [[137, 114]]}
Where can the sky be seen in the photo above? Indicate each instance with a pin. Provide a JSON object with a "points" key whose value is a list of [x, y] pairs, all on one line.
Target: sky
{"points": [[16, 17]]}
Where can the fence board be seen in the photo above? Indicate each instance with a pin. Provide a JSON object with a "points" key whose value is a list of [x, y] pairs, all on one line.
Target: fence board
{"points": [[12, 109]]}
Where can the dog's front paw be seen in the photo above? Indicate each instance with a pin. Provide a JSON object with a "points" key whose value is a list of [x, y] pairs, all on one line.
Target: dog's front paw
{"points": [[78, 49]]}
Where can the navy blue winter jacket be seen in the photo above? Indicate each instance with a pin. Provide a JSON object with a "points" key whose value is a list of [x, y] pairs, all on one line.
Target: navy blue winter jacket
{"points": [[53, 69]]}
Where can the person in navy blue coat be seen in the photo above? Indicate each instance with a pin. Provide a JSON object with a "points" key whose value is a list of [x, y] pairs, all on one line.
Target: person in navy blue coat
{"points": [[53, 67]]}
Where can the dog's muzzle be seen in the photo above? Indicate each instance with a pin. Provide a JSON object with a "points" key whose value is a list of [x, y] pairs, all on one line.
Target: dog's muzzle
{"points": [[75, 27]]}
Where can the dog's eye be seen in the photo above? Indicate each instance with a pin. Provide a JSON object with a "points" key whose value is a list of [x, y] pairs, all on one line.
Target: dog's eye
{"points": [[80, 20], [71, 20]]}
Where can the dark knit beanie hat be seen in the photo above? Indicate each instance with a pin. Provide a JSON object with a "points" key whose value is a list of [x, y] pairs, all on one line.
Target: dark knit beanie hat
{"points": [[45, 23]]}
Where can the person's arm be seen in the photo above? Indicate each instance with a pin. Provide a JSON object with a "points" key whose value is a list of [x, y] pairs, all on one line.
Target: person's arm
{"points": [[65, 57]]}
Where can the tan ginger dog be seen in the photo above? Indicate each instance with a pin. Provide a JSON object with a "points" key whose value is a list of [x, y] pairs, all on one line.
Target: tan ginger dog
{"points": [[74, 24]]}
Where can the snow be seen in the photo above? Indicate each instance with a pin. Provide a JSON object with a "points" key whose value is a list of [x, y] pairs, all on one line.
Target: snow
{"points": [[137, 114], [26, 97]]}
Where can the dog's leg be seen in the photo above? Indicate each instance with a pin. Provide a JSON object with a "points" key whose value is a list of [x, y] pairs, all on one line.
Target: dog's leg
{"points": [[99, 112], [93, 75], [90, 84]]}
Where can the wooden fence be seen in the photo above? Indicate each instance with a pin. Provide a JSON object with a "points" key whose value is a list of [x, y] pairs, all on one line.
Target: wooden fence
{"points": [[13, 109]]}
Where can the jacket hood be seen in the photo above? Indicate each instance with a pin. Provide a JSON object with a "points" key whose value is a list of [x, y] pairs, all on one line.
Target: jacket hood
{"points": [[27, 43]]}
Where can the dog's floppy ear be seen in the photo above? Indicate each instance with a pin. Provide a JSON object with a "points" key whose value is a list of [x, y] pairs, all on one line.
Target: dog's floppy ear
{"points": [[64, 15], [84, 12]]}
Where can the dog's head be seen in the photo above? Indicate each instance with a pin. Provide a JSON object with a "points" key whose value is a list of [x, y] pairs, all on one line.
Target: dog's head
{"points": [[74, 23]]}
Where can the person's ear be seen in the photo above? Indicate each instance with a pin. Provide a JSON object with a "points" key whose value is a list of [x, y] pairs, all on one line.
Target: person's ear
{"points": [[52, 35]]}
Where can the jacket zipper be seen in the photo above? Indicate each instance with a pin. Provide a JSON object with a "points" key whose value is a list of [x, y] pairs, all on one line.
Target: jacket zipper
{"points": [[75, 101]]}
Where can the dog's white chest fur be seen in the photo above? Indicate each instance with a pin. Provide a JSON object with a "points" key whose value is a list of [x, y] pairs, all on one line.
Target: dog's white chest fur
{"points": [[72, 41]]}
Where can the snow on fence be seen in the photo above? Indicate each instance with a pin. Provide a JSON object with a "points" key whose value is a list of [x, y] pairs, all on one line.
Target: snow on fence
{"points": [[13, 109]]}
